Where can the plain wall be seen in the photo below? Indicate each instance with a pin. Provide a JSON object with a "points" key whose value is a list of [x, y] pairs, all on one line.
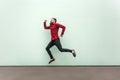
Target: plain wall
{"points": [[92, 29]]}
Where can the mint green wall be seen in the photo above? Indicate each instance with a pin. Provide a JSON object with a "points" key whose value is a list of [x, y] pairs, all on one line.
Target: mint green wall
{"points": [[93, 30]]}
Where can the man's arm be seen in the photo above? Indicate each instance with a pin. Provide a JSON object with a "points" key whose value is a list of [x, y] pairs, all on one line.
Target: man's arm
{"points": [[45, 26], [63, 28]]}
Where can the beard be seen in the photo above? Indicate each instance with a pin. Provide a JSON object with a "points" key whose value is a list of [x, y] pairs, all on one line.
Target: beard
{"points": [[51, 23]]}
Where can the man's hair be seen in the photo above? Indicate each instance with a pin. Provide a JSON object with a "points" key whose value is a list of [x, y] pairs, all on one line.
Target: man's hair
{"points": [[55, 19]]}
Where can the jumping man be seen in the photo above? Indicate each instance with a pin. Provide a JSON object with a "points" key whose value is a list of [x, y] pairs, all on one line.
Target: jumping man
{"points": [[55, 40]]}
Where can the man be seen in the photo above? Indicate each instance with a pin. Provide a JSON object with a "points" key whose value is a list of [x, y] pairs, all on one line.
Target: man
{"points": [[55, 40]]}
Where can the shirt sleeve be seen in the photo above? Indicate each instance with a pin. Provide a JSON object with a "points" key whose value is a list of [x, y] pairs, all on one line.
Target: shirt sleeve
{"points": [[63, 28], [45, 26]]}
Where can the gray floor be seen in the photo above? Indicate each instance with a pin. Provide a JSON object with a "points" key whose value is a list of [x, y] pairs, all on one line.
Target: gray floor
{"points": [[59, 73]]}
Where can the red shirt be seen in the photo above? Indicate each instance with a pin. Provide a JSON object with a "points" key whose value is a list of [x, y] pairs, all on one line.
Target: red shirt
{"points": [[54, 30]]}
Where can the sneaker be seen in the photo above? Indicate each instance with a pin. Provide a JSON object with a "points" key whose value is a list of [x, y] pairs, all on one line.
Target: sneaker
{"points": [[51, 60], [73, 53]]}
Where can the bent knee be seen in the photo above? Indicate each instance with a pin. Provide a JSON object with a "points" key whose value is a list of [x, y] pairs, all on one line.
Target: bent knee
{"points": [[61, 50], [47, 48]]}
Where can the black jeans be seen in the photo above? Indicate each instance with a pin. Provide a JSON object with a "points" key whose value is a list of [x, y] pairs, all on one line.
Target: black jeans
{"points": [[58, 45]]}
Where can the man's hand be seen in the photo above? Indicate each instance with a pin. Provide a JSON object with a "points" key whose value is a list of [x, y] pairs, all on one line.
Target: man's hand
{"points": [[45, 21], [61, 35]]}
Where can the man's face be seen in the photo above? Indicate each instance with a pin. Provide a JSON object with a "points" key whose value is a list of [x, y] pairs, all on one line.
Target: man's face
{"points": [[52, 21]]}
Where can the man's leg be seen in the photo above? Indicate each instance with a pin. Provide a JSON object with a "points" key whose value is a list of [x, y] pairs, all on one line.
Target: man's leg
{"points": [[48, 49], [49, 52], [59, 46]]}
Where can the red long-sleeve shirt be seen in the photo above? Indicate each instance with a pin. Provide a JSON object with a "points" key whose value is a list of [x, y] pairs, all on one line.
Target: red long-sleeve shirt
{"points": [[54, 29]]}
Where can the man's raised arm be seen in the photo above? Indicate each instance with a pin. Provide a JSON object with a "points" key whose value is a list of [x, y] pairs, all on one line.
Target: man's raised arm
{"points": [[45, 26]]}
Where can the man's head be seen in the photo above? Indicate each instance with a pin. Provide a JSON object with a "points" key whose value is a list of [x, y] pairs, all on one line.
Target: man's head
{"points": [[53, 20]]}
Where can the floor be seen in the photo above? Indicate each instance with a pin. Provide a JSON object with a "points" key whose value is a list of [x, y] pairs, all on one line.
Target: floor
{"points": [[59, 73]]}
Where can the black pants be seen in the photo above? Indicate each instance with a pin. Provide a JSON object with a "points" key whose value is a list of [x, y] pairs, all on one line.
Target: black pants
{"points": [[58, 45]]}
